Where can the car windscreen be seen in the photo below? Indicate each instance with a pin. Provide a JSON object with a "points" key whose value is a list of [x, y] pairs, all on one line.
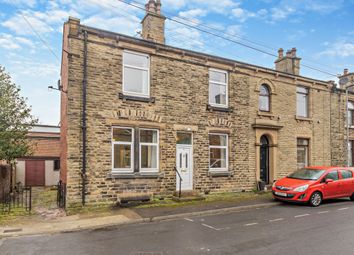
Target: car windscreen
{"points": [[307, 174]]}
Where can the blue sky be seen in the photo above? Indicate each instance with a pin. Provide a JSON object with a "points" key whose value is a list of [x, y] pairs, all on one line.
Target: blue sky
{"points": [[321, 30]]}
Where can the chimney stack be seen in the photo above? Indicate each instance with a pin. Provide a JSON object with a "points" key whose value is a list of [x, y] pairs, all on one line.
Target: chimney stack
{"points": [[346, 71], [288, 64], [153, 24]]}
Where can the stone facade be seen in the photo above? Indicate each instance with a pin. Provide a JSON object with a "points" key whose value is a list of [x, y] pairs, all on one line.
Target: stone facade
{"points": [[179, 96]]}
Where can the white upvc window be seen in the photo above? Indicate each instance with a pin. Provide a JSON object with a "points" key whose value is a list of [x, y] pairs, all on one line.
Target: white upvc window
{"points": [[302, 102], [350, 120], [218, 152], [122, 149], [136, 74], [149, 150], [218, 88]]}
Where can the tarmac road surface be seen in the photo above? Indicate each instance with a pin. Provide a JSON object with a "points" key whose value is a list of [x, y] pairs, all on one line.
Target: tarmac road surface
{"points": [[285, 229]]}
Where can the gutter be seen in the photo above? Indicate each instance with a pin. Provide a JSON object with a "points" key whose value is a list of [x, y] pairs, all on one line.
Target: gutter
{"points": [[84, 127]]}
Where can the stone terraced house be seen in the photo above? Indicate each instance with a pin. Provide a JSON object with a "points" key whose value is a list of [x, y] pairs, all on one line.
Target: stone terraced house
{"points": [[133, 111]]}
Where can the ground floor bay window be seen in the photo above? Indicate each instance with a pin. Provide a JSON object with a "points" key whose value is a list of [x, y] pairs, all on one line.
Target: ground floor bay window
{"points": [[135, 150]]}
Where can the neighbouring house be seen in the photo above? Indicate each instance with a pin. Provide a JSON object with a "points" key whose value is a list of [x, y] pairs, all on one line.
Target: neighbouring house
{"points": [[42, 168], [133, 111]]}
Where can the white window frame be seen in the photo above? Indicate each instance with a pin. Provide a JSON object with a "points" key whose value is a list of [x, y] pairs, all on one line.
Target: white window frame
{"points": [[307, 101], [219, 83], [264, 96], [123, 170], [226, 169], [350, 113], [307, 150], [157, 144], [125, 92]]}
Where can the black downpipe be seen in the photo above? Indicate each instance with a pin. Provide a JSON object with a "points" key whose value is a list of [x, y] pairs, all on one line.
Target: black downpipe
{"points": [[84, 127]]}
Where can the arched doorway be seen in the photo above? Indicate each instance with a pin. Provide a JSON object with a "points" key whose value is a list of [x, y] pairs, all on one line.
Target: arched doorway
{"points": [[264, 159]]}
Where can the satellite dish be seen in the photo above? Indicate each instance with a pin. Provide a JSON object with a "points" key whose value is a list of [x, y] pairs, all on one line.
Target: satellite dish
{"points": [[343, 81]]}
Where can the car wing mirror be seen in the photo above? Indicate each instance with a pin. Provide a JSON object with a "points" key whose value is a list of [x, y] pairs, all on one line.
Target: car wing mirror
{"points": [[329, 181]]}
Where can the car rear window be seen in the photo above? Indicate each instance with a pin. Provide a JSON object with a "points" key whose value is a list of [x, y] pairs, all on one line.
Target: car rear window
{"points": [[332, 175], [346, 174]]}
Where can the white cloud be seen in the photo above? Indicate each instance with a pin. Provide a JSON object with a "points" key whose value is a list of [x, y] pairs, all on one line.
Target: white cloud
{"points": [[193, 13], [30, 3], [173, 4], [116, 24], [220, 6], [7, 42], [300, 7], [35, 69], [296, 36], [281, 13], [339, 49], [183, 37], [235, 30], [19, 25], [11, 42], [242, 15]]}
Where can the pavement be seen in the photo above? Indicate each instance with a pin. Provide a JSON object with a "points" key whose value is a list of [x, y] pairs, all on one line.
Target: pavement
{"points": [[290, 229], [128, 216]]}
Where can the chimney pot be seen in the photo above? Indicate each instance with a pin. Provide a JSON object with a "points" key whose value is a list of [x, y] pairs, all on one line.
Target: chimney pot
{"points": [[293, 52], [280, 53], [158, 6], [152, 6], [346, 71]]}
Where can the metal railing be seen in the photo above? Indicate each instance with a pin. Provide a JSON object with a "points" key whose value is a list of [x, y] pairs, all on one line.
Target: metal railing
{"points": [[180, 182], [61, 194], [20, 197]]}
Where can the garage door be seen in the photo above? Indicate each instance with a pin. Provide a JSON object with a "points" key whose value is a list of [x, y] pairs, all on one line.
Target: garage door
{"points": [[35, 172]]}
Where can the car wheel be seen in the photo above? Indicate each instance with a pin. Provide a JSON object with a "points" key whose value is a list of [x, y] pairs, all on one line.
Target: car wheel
{"points": [[352, 197], [315, 199]]}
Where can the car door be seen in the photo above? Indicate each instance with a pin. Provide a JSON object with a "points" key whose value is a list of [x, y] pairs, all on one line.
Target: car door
{"points": [[330, 189], [346, 180]]}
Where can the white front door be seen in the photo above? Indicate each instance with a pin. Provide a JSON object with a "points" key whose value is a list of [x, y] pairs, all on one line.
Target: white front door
{"points": [[184, 163]]}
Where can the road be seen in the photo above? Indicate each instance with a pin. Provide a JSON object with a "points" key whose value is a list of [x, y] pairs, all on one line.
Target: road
{"points": [[283, 229]]}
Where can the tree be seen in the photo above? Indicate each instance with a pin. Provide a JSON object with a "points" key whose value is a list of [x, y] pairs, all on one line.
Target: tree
{"points": [[15, 120]]}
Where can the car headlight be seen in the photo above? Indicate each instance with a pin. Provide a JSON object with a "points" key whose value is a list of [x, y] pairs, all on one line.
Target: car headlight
{"points": [[301, 188]]}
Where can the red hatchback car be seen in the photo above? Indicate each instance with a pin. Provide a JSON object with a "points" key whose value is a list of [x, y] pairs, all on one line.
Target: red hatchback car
{"points": [[314, 184]]}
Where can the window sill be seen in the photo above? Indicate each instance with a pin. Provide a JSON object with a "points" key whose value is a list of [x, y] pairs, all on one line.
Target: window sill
{"points": [[134, 175], [219, 174], [265, 114], [298, 118], [136, 98], [212, 108]]}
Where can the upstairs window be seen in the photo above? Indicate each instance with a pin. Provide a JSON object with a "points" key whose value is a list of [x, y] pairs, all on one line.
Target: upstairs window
{"points": [[264, 98], [136, 74], [302, 102], [218, 88], [350, 114]]}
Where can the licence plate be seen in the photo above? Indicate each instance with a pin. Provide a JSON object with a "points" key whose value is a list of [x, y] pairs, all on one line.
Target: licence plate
{"points": [[281, 194]]}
